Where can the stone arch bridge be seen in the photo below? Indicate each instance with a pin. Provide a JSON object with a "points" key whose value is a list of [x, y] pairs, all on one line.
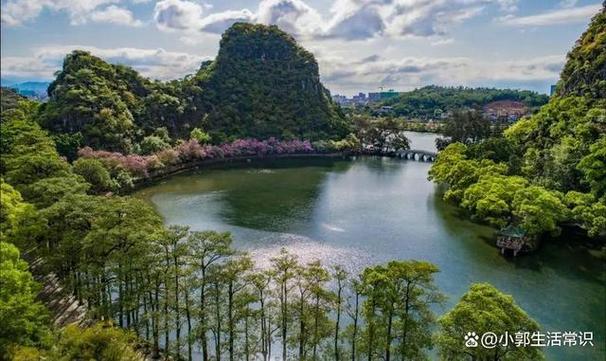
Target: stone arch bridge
{"points": [[418, 155]]}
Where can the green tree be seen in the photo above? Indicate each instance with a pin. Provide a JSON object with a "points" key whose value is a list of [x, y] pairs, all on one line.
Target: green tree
{"points": [[24, 320], [382, 134], [284, 267], [207, 249], [201, 136], [539, 210], [467, 127], [587, 212], [490, 199], [95, 173], [152, 144], [593, 167], [98, 342], [485, 309], [19, 220], [399, 300]]}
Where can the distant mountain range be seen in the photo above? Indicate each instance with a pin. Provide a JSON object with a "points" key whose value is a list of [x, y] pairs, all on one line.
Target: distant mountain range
{"points": [[30, 89]]}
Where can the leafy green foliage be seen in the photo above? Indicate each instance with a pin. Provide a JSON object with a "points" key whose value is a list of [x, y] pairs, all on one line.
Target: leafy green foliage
{"points": [[452, 167], [263, 85], [593, 167], [101, 341], [31, 163], [95, 173], [12, 211], [10, 99], [152, 144], [382, 135], [46, 191], [23, 318], [485, 309], [200, 136], [540, 210], [397, 308], [491, 198], [95, 99], [467, 127], [587, 211], [585, 71], [68, 144]]}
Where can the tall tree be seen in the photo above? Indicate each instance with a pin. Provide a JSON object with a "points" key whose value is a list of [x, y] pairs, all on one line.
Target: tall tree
{"points": [[207, 248], [284, 267], [485, 309]]}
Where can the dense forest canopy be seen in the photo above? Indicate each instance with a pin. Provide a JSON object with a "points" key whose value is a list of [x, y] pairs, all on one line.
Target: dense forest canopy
{"points": [[262, 84], [432, 101]]}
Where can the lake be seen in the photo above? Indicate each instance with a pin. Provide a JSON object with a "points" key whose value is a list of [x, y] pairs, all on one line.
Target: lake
{"points": [[357, 212]]}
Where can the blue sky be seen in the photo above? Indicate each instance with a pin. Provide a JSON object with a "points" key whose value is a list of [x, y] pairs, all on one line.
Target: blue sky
{"points": [[361, 45]]}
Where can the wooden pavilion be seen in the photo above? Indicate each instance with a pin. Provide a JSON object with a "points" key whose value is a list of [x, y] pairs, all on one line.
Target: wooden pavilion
{"points": [[515, 239]]}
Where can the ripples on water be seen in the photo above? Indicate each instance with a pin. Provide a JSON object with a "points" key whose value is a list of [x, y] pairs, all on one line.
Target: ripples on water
{"points": [[307, 250]]}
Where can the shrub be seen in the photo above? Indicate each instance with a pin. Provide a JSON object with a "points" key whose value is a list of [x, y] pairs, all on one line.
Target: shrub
{"points": [[201, 136], [95, 173], [153, 144]]}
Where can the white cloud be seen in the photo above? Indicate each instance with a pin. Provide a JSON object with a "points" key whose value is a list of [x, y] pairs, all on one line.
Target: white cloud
{"points": [[115, 15], [217, 23], [554, 17], [293, 16], [568, 3], [353, 19], [348, 19], [411, 72], [178, 15], [508, 5], [154, 63], [364, 19], [18, 12], [431, 18]]}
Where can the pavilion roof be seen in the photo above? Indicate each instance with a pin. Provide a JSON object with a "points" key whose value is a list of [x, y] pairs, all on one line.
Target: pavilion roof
{"points": [[513, 231]]}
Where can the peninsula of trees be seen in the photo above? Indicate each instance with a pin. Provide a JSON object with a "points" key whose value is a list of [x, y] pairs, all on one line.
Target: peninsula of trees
{"points": [[544, 171]]}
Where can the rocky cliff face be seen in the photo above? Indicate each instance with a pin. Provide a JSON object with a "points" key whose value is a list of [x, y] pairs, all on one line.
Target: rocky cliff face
{"points": [[264, 84], [585, 69]]}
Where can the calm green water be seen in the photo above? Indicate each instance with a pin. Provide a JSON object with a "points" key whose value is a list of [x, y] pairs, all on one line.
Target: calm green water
{"points": [[367, 210]]}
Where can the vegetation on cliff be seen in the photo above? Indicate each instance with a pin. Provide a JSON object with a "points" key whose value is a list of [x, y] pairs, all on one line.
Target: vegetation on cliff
{"points": [[262, 84]]}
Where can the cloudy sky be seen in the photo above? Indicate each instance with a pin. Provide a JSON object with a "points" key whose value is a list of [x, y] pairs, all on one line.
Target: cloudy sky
{"points": [[361, 45]]}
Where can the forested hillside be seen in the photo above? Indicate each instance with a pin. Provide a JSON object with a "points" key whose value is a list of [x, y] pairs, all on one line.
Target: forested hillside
{"points": [[262, 84], [432, 101], [554, 168], [10, 98]]}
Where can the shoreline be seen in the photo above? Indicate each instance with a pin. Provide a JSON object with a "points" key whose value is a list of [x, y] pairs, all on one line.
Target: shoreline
{"points": [[169, 171]]}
